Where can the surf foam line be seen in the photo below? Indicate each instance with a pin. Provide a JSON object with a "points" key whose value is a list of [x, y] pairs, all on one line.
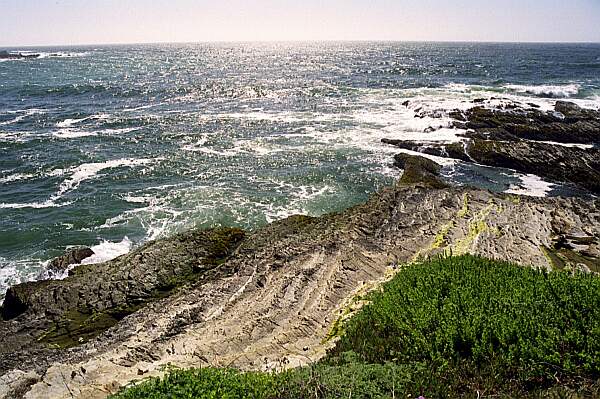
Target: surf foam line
{"points": [[108, 250], [26, 113], [79, 174], [563, 91], [532, 186]]}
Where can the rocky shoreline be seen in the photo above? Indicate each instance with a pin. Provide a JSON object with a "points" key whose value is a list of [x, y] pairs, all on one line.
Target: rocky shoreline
{"points": [[272, 298], [561, 145]]}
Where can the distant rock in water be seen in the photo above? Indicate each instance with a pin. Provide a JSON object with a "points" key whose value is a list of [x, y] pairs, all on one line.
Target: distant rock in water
{"points": [[419, 170], [561, 145], [5, 55], [73, 257]]}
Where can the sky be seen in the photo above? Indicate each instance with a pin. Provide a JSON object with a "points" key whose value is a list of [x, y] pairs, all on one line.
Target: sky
{"points": [[72, 22]]}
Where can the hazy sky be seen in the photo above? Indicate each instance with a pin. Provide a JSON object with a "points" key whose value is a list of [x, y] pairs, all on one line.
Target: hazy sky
{"points": [[38, 22]]}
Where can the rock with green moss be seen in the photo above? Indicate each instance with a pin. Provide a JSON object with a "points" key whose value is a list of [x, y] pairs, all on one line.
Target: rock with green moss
{"points": [[419, 170], [95, 297]]}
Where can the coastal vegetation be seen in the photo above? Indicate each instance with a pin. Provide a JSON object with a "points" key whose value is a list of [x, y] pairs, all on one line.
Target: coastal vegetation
{"points": [[453, 326]]}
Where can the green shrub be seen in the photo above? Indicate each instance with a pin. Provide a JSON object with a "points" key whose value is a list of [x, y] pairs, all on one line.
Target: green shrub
{"points": [[204, 383], [522, 322]]}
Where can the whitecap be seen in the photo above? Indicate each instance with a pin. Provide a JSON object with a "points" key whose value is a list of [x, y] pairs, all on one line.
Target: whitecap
{"points": [[35, 205], [565, 91], [16, 177], [72, 121], [90, 170], [72, 134], [531, 185], [210, 151], [25, 113], [108, 250]]}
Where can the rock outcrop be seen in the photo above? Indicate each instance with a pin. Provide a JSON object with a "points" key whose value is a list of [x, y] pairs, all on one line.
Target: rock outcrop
{"points": [[270, 299], [526, 140], [72, 257], [64, 313], [569, 123], [419, 170]]}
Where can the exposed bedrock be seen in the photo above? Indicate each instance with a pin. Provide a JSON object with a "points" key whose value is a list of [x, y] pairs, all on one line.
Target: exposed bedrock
{"points": [[72, 257], [50, 314], [558, 163], [525, 140], [419, 170], [270, 299], [569, 123]]}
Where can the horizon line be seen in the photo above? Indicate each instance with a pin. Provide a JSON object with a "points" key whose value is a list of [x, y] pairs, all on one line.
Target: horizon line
{"points": [[296, 41]]}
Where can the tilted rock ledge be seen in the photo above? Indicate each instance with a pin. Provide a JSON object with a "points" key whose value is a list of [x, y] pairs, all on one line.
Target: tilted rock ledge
{"points": [[267, 299]]}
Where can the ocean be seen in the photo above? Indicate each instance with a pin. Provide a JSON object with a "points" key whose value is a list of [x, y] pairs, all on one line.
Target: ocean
{"points": [[112, 146]]}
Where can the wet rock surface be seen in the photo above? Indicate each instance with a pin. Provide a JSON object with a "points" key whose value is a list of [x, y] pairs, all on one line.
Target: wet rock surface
{"points": [[72, 257], [561, 145], [419, 170], [269, 299]]}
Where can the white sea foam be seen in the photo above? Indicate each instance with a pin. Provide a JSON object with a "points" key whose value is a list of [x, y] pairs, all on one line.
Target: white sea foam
{"points": [[564, 91], [210, 151], [90, 170], [123, 130], [26, 176], [36, 205], [13, 272], [16, 177], [531, 185], [107, 250], [70, 122], [78, 174], [72, 134], [24, 114], [570, 145]]}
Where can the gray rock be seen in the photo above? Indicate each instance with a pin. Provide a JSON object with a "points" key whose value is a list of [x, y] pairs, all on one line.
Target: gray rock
{"points": [[15, 384], [515, 138], [419, 170], [72, 257]]}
